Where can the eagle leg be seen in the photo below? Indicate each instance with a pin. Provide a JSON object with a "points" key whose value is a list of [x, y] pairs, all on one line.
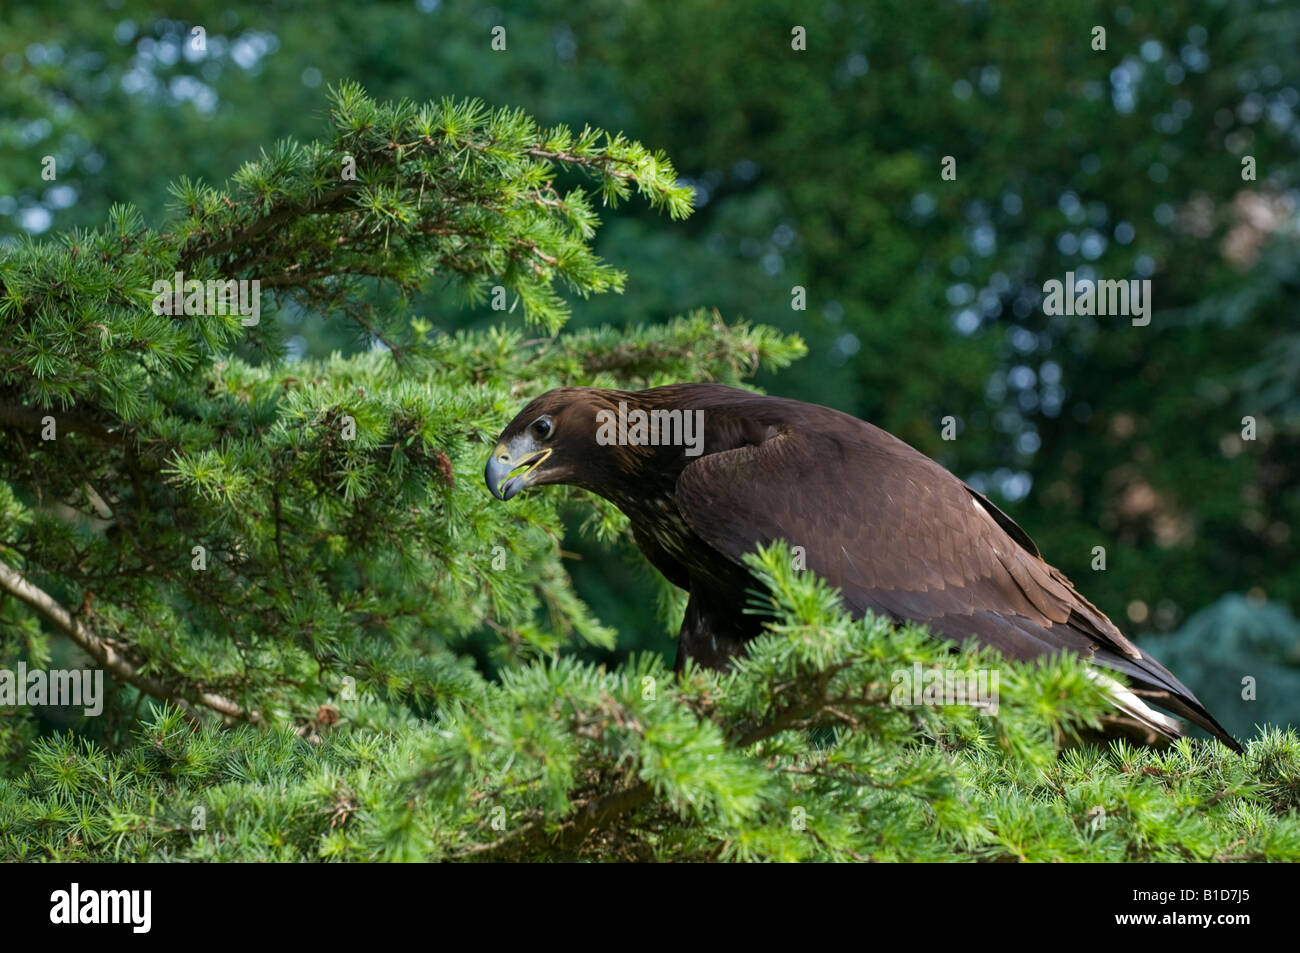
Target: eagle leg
{"points": [[709, 636]]}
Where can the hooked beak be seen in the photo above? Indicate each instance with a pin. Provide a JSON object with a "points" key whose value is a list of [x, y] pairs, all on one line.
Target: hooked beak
{"points": [[506, 476]]}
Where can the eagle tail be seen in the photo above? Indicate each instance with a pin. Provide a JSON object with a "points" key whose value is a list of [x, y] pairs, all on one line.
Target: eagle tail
{"points": [[1144, 724], [1137, 711]]}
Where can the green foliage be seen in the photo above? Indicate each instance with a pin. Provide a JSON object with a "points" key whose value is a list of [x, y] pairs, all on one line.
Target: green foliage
{"points": [[247, 533], [376, 663], [821, 169], [799, 754]]}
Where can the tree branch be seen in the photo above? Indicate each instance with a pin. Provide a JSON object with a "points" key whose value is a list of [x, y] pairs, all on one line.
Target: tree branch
{"points": [[97, 648], [31, 419], [599, 811], [332, 201]]}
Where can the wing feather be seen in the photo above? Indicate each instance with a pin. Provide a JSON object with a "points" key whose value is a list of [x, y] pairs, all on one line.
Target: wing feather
{"points": [[898, 534]]}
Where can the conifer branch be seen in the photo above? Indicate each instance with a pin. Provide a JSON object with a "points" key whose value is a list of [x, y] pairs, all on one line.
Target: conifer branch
{"points": [[31, 420], [44, 605]]}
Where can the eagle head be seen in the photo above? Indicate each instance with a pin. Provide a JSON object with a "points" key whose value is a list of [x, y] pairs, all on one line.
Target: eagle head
{"points": [[552, 440]]}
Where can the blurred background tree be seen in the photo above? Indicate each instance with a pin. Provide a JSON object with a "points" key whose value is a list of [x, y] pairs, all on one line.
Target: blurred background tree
{"points": [[821, 169]]}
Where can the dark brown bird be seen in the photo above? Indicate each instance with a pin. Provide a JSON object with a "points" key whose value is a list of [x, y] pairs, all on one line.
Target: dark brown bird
{"points": [[705, 473]]}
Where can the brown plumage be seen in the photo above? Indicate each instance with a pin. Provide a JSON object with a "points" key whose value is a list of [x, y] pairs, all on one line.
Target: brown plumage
{"points": [[894, 531]]}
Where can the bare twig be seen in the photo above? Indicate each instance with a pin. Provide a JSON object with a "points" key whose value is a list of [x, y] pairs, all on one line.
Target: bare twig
{"points": [[97, 648]]}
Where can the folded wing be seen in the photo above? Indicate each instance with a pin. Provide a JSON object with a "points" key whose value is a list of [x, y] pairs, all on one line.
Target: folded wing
{"points": [[901, 536]]}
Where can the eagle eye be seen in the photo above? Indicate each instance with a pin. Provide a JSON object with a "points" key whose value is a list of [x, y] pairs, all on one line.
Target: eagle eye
{"points": [[541, 427]]}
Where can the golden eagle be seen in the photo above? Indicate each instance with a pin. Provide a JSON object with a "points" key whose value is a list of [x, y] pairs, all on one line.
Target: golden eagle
{"points": [[705, 473]]}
